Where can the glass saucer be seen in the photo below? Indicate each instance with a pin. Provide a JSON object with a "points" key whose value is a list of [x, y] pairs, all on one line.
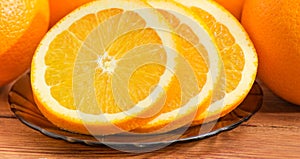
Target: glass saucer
{"points": [[25, 109]]}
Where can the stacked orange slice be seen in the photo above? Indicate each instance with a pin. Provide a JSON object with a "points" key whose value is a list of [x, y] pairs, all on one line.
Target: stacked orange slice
{"points": [[237, 52], [153, 66]]}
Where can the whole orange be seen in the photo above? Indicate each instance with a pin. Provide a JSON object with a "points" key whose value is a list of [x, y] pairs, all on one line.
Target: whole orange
{"points": [[60, 8], [23, 23], [235, 7], [274, 27]]}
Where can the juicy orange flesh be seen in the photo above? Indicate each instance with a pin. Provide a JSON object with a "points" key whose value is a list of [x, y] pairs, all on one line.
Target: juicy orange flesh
{"points": [[194, 58], [60, 67], [143, 80], [90, 39], [231, 53], [82, 36], [132, 40], [189, 48], [175, 97], [118, 49]]}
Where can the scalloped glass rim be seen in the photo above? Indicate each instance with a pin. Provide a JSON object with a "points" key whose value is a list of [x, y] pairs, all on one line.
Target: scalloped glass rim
{"points": [[23, 106]]}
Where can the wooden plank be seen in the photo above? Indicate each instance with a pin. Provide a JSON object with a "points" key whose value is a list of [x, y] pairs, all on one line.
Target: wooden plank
{"points": [[249, 140]]}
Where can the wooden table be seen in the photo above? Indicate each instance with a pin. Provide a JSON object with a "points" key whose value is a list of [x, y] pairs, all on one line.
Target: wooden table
{"points": [[273, 132]]}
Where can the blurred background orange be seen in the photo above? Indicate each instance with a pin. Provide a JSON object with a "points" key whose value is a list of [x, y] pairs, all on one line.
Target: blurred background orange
{"points": [[275, 31], [23, 24], [60, 8]]}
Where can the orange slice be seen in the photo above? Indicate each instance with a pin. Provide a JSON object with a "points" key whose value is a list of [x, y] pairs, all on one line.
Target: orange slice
{"points": [[195, 45], [104, 68], [237, 52]]}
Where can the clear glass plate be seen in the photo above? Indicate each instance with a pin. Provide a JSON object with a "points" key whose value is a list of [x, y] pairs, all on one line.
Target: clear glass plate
{"points": [[22, 104]]}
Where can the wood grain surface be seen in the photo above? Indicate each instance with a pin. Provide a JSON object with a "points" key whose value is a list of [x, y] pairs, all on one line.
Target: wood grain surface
{"points": [[273, 132]]}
